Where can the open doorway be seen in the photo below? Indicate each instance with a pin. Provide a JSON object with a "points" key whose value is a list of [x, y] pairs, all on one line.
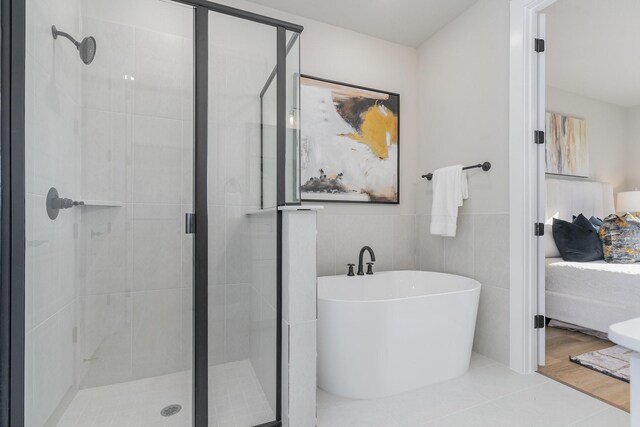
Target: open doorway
{"points": [[591, 98]]}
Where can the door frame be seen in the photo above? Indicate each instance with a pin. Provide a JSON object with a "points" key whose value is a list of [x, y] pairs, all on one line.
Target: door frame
{"points": [[12, 221], [525, 109]]}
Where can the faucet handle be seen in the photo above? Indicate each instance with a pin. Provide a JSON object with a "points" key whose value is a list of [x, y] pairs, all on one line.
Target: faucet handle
{"points": [[369, 268], [350, 273]]}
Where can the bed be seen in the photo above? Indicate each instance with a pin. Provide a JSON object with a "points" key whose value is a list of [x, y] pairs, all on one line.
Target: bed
{"points": [[595, 294]]}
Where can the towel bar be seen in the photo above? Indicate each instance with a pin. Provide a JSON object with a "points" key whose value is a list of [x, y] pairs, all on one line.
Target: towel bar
{"points": [[485, 167]]}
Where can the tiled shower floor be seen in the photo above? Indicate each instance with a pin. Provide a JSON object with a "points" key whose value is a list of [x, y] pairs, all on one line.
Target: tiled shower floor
{"points": [[236, 399]]}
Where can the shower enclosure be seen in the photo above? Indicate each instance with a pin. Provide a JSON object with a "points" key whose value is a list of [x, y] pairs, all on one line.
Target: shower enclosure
{"points": [[141, 245]]}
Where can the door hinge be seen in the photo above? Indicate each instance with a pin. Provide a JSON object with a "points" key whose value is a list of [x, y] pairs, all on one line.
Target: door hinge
{"points": [[538, 229], [538, 321], [189, 223], [538, 136], [539, 45]]}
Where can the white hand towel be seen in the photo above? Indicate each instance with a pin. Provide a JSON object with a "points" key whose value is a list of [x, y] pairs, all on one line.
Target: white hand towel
{"points": [[450, 189]]}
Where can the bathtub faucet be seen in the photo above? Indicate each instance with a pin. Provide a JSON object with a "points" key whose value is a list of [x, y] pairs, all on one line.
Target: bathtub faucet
{"points": [[369, 264]]}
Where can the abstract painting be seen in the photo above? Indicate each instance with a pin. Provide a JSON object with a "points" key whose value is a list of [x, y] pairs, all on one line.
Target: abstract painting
{"points": [[566, 143], [349, 143]]}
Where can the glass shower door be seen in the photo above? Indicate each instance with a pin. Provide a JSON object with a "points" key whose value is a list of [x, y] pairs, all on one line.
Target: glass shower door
{"points": [[116, 333], [242, 224], [109, 277]]}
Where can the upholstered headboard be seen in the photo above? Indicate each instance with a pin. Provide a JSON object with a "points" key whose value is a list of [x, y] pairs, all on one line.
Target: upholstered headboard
{"points": [[566, 198]]}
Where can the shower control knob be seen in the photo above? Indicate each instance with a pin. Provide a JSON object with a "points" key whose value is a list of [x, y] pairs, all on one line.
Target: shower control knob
{"points": [[55, 203]]}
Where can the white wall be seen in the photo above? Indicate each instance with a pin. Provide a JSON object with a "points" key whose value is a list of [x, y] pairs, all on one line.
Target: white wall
{"points": [[342, 55], [345, 56], [633, 149], [463, 119], [606, 134]]}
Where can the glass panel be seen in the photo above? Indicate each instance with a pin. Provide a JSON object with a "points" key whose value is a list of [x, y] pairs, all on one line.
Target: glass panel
{"points": [[242, 240], [108, 283], [293, 120], [268, 102]]}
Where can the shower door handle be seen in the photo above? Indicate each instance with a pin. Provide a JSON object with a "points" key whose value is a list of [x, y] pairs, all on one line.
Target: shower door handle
{"points": [[189, 223]]}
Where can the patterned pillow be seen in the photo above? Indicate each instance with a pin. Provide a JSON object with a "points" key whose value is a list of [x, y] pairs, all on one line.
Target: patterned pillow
{"points": [[620, 237]]}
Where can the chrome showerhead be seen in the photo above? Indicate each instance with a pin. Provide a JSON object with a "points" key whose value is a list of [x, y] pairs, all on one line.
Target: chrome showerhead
{"points": [[86, 48]]}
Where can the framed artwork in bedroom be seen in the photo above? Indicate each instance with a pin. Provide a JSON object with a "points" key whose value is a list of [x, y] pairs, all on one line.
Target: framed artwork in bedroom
{"points": [[566, 145], [350, 143]]}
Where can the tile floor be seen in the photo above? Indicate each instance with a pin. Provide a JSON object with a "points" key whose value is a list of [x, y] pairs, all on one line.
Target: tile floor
{"points": [[235, 400], [488, 395]]}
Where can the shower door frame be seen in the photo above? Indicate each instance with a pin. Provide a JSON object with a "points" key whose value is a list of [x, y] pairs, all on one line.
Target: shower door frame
{"points": [[12, 228]]}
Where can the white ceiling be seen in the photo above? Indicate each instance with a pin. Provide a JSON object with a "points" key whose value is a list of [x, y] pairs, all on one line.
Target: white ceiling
{"points": [[408, 22], [593, 49]]}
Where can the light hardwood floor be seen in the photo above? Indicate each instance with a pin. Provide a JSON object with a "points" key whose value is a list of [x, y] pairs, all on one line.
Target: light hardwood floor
{"points": [[560, 345]]}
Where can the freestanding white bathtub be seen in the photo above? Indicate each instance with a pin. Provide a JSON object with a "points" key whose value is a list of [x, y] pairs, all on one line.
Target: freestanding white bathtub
{"points": [[393, 331]]}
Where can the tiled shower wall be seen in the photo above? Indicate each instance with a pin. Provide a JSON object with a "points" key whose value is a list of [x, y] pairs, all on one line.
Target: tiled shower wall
{"points": [[138, 118], [53, 153], [134, 259]]}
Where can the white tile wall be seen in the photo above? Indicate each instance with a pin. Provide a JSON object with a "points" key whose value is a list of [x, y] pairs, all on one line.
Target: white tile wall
{"points": [[157, 160], [263, 314], [217, 324], [136, 259], [299, 317], [477, 251], [340, 238], [106, 137], [53, 159], [52, 365], [157, 242], [105, 326], [159, 62], [156, 328]]}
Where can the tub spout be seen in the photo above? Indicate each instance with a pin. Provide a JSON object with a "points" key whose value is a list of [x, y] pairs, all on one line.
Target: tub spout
{"points": [[360, 264]]}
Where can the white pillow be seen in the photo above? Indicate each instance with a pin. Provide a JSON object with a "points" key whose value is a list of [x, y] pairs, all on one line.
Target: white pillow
{"points": [[550, 248]]}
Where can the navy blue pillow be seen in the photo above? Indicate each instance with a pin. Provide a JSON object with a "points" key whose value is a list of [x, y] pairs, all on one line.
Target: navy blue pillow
{"points": [[596, 222], [577, 241]]}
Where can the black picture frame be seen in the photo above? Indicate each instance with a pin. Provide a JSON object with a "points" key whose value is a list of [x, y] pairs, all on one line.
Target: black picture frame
{"points": [[349, 85]]}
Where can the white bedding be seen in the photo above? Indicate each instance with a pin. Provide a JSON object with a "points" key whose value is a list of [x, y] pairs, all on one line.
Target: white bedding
{"points": [[592, 294]]}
